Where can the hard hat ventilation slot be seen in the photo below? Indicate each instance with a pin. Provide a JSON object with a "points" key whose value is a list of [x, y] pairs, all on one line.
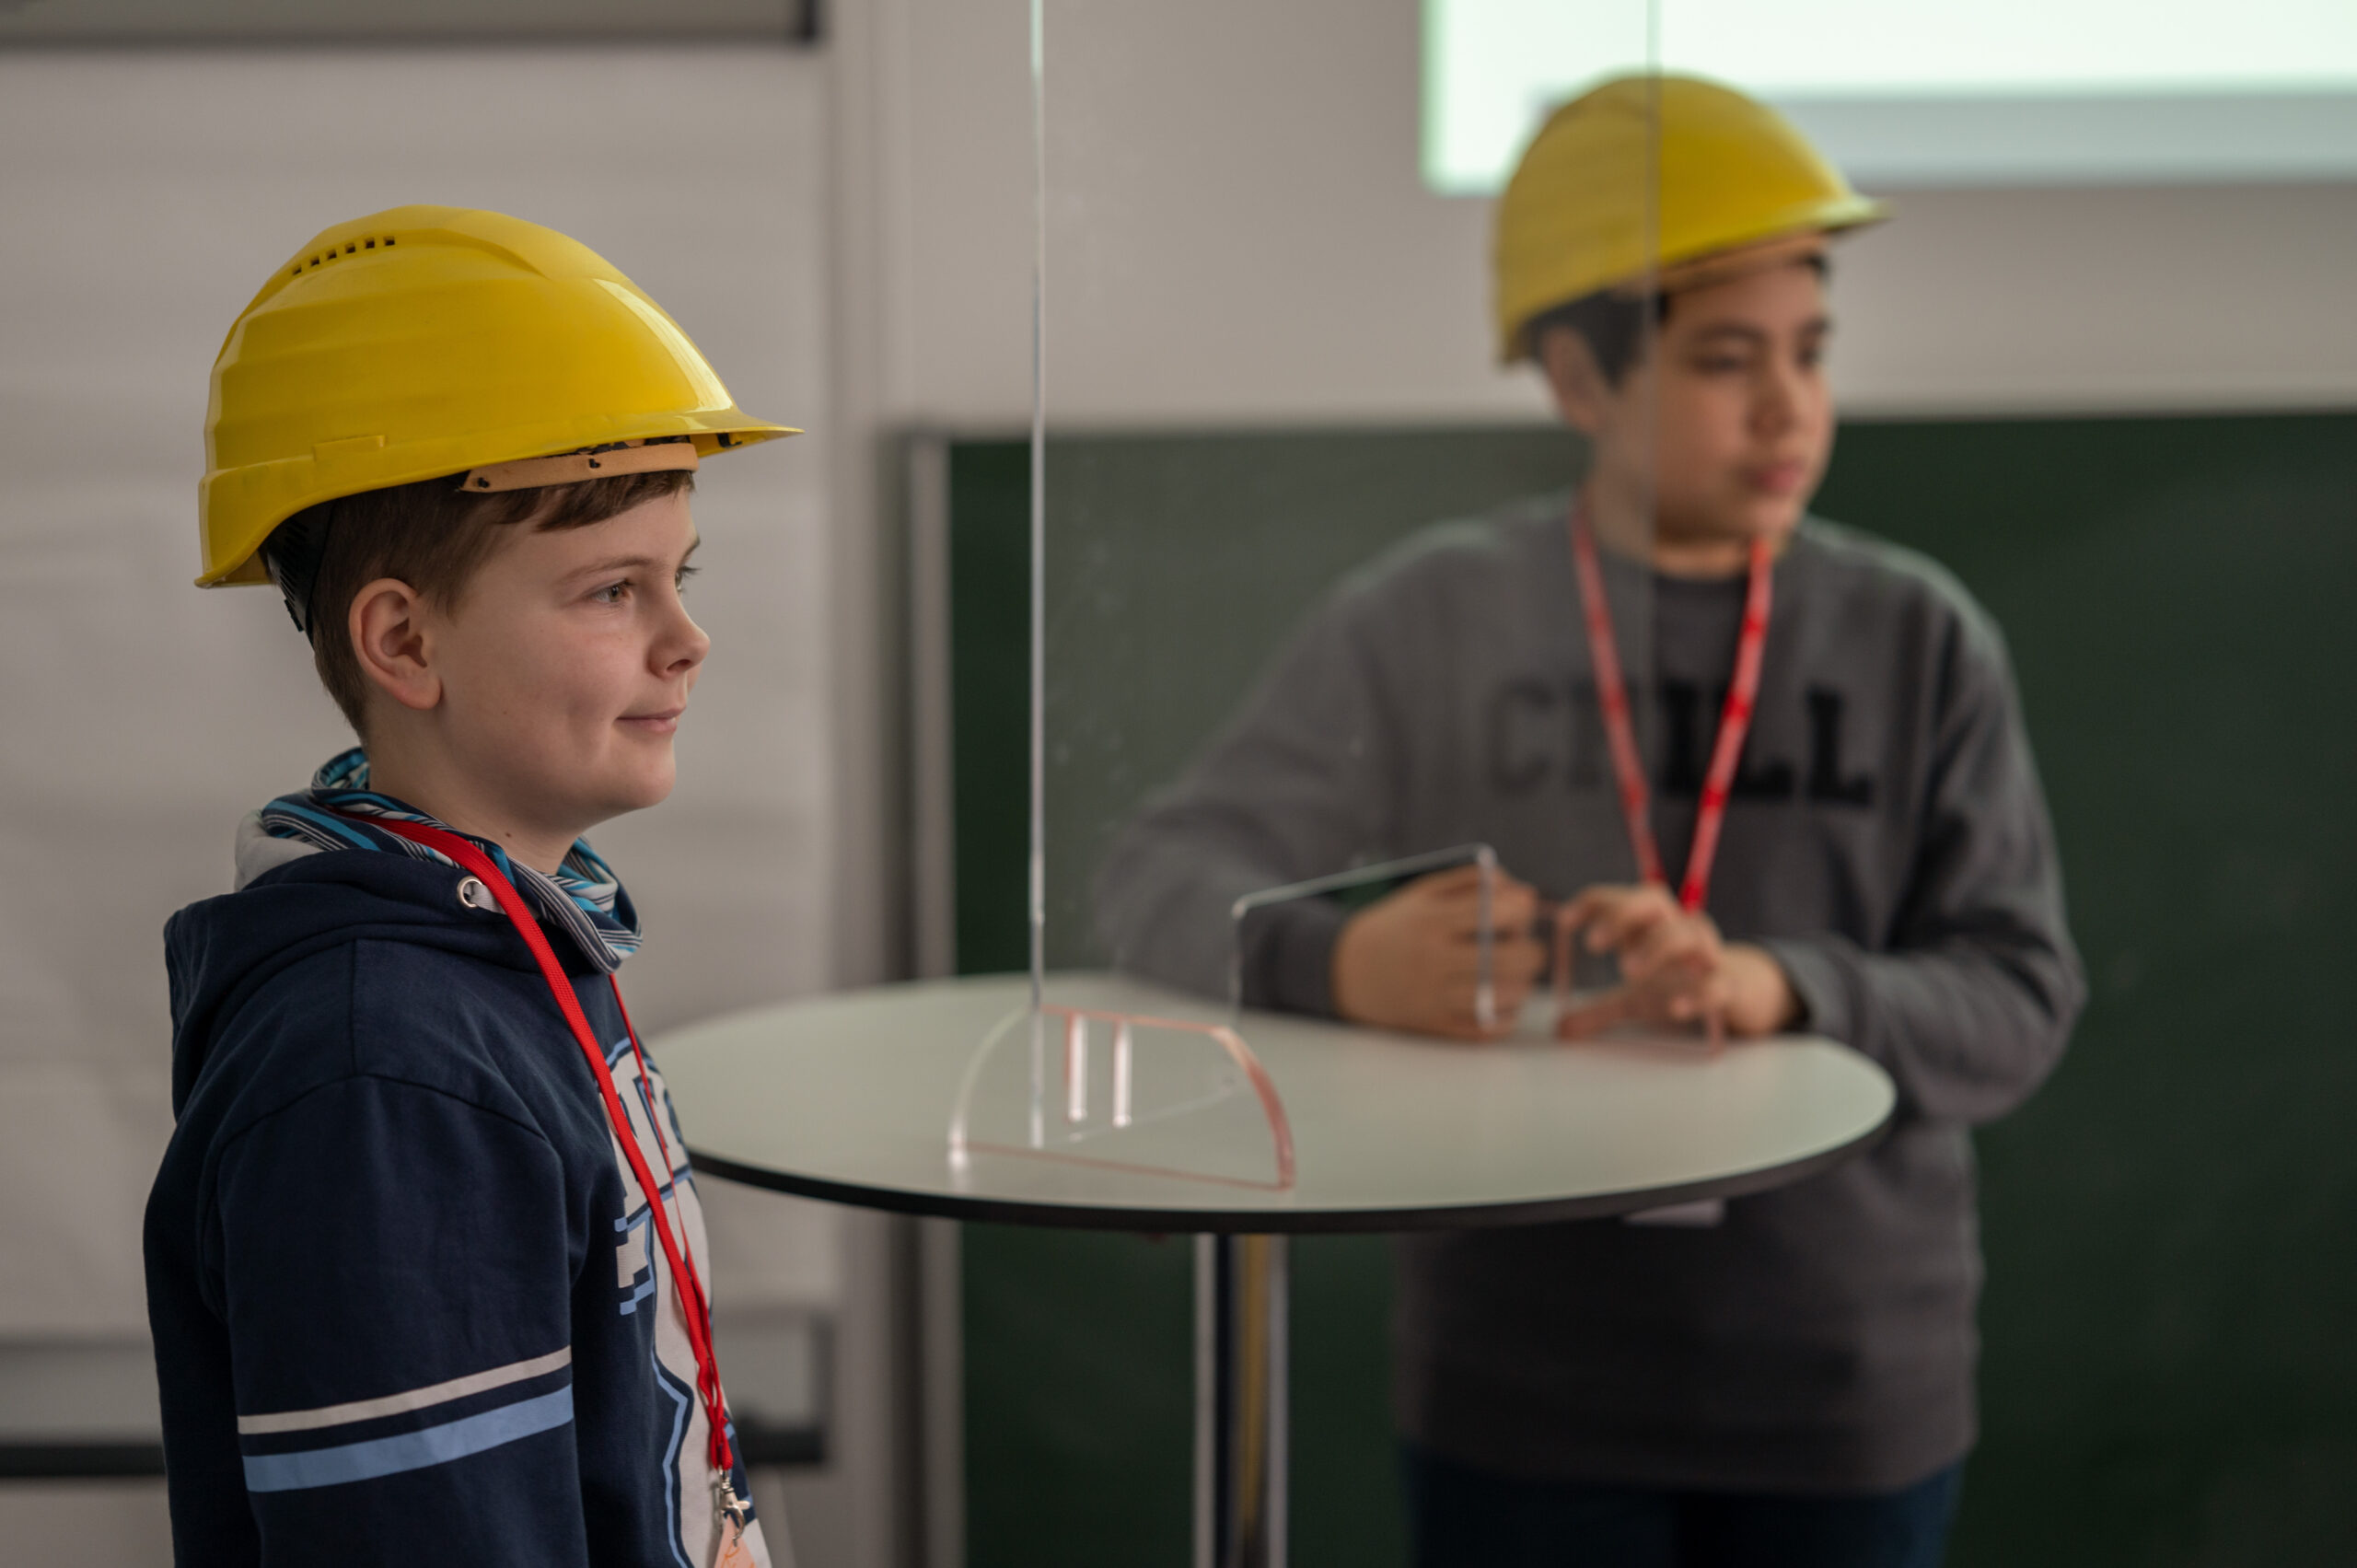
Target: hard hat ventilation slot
{"points": [[370, 243]]}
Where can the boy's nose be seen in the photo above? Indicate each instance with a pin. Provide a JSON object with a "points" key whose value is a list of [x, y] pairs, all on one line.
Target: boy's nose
{"points": [[1776, 407], [685, 648]]}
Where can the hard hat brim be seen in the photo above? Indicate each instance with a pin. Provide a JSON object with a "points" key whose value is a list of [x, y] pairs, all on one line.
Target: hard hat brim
{"points": [[272, 492], [1830, 221]]}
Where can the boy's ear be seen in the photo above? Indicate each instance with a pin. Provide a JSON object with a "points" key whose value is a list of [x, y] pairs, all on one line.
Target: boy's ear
{"points": [[387, 630], [1583, 396]]}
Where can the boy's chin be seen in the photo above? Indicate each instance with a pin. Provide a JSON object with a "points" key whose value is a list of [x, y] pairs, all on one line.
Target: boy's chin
{"points": [[1740, 525], [634, 790], [1733, 526]]}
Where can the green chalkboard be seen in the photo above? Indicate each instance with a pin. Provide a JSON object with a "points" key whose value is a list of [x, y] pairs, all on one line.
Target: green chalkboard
{"points": [[2170, 1375]]}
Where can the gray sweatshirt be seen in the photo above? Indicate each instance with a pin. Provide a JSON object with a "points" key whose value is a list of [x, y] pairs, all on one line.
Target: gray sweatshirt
{"points": [[1887, 843]]}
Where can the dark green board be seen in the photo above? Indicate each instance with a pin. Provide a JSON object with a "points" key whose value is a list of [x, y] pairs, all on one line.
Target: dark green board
{"points": [[2170, 1323]]}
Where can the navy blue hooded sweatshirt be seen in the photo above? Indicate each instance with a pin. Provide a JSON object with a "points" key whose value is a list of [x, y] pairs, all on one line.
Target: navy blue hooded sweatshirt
{"points": [[408, 1307]]}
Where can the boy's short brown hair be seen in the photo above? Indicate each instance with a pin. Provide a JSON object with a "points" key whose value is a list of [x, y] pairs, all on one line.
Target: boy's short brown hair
{"points": [[430, 535], [1614, 326]]}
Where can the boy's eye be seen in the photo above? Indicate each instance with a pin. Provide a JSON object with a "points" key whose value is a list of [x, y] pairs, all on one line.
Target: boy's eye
{"points": [[612, 593], [680, 581]]}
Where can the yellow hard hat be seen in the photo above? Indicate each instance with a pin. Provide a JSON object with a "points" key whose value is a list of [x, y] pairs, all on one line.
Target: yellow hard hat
{"points": [[1730, 171], [425, 341]]}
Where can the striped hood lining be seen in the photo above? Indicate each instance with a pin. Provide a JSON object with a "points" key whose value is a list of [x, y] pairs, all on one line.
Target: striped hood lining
{"points": [[584, 898]]}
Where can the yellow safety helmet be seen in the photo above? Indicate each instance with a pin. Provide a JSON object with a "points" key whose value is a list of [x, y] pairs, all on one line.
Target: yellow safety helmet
{"points": [[1731, 173], [425, 341]]}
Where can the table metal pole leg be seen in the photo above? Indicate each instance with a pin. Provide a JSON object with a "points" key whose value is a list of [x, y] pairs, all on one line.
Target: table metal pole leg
{"points": [[1240, 1400]]}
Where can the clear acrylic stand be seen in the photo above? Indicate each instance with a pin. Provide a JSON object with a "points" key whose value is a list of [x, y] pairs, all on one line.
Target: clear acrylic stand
{"points": [[1485, 992], [1562, 963], [1123, 1091]]}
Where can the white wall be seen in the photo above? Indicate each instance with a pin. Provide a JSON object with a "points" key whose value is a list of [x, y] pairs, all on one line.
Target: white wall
{"points": [[1239, 234]]}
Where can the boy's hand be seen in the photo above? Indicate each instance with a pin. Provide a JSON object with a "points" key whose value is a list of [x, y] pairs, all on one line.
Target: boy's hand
{"points": [[1411, 960], [1674, 968]]}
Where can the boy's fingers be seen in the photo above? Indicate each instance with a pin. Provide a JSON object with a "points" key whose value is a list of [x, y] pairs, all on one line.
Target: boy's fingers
{"points": [[1687, 942], [1588, 903], [1679, 993], [1621, 923], [1701, 1001], [1646, 949]]}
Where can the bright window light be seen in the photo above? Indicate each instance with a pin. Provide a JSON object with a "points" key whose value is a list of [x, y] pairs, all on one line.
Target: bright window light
{"points": [[1911, 93]]}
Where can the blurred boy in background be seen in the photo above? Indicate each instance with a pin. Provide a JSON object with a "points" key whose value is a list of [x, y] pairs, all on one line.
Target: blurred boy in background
{"points": [[1774, 768]]}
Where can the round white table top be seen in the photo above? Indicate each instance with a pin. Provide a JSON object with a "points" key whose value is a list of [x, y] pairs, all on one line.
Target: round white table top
{"points": [[849, 1098]]}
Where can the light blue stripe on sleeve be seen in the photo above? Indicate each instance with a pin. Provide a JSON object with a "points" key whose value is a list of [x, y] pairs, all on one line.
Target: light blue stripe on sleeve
{"points": [[410, 1450]]}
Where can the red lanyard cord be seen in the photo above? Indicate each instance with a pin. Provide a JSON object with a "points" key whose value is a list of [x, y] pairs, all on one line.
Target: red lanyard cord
{"points": [[692, 1304], [1734, 718]]}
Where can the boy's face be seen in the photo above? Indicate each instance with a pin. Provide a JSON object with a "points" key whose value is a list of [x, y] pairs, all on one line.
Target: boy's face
{"points": [[565, 665], [1729, 414]]}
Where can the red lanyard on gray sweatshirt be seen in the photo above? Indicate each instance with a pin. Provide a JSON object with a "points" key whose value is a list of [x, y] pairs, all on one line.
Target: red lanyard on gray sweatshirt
{"points": [[1734, 718]]}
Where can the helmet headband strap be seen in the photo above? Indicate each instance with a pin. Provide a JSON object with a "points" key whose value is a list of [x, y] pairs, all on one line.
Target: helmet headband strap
{"points": [[1724, 266], [609, 461], [292, 555]]}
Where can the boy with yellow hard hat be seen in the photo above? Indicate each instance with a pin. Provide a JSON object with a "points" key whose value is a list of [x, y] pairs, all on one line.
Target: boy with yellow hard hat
{"points": [[1774, 767], [424, 1258]]}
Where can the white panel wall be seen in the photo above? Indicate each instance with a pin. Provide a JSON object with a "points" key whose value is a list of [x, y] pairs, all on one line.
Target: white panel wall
{"points": [[147, 195], [1238, 233]]}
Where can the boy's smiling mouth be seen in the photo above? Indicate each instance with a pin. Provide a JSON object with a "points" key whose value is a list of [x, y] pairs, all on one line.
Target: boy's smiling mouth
{"points": [[662, 721]]}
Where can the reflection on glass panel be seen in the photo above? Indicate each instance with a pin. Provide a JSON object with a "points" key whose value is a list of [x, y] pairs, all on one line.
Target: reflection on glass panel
{"points": [[1260, 722]]}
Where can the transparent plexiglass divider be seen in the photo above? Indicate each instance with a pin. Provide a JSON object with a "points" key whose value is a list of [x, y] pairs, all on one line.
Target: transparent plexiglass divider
{"points": [[1202, 750], [1277, 657], [1091, 1085]]}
